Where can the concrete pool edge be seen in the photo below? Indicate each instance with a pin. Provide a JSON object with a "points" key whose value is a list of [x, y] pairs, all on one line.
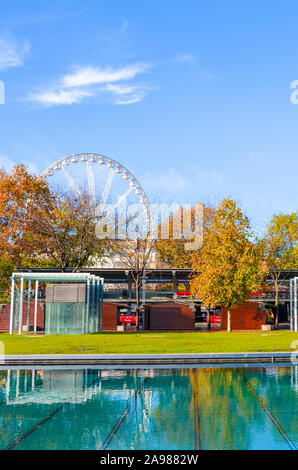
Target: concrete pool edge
{"points": [[146, 359]]}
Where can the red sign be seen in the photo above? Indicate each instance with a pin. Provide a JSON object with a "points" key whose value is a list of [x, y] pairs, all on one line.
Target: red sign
{"points": [[128, 319], [215, 318], [183, 293]]}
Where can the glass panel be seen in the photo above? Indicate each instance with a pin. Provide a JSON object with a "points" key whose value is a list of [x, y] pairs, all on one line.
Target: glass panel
{"points": [[65, 318]]}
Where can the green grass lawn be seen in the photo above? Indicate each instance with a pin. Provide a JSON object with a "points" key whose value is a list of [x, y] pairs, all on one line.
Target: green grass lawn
{"points": [[150, 342]]}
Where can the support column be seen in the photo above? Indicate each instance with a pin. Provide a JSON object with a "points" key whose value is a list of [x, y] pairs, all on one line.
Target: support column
{"points": [[101, 304], [8, 386], [174, 282], [87, 306], [35, 306], [18, 383], [97, 301], [28, 306], [295, 304], [93, 303], [11, 305], [21, 306]]}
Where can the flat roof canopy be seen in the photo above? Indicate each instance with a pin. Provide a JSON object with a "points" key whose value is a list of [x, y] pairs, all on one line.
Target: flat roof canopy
{"points": [[56, 277], [117, 274]]}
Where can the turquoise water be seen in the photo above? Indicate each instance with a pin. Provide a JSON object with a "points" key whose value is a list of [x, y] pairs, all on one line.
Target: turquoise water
{"points": [[200, 408]]}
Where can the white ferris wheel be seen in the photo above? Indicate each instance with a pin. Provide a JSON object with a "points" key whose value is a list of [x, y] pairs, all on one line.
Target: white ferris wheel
{"points": [[109, 185]]}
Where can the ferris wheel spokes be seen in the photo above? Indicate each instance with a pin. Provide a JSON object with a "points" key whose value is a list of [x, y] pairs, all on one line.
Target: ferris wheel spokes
{"points": [[111, 213], [98, 191], [106, 191], [91, 183], [72, 182]]}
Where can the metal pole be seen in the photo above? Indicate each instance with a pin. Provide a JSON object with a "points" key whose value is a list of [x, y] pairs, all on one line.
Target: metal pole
{"points": [[33, 379], [35, 306], [101, 305], [143, 298], [291, 304], [11, 305], [295, 305], [18, 383], [8, 386], [88, 306], [21, 306], [28, 306], [93, 303], [97, 301]]}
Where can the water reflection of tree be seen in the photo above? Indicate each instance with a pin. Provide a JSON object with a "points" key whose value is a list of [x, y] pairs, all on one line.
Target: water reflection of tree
{"points": [[230, 416], [81, 424], [173, 414], [208, 408], [279, 395], [216, 404], [220, 399]]}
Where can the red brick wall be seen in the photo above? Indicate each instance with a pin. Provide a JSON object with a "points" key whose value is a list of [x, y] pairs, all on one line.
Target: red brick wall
{"points": [[248, 316], [171, 316], [5, 314], [109, 316]]}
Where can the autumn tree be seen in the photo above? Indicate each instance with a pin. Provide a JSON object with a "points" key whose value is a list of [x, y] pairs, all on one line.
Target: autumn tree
{"points": [[22, 196], [65, 233], [44, 226], [134, 255], [174, 251], [229, 265], [281, 249]]}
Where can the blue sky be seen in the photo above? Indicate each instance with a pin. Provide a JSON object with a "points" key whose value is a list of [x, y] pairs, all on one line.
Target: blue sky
{"points": [[193, 97]]}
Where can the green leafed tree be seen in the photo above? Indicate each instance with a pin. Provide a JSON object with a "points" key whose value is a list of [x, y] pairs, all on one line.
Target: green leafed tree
{"points": [[6, 269], [281, 249], [229, 266]]}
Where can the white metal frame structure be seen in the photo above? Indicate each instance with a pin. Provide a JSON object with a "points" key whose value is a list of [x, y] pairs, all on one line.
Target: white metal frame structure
{"points": [[92, 160], [93, 283], [294, 304]]}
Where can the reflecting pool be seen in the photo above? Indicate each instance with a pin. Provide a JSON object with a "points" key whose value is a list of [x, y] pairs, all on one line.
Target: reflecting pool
{"points": [[181, 408]]}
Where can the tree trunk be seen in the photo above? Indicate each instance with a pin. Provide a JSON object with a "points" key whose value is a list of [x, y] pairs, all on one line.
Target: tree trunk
{"points": [[276, 302], [229, 320], [137, 303], [208, 319]]}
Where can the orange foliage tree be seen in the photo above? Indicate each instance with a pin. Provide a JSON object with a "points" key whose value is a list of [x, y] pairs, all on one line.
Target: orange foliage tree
{"points": [[172, 251], [22, 195]]}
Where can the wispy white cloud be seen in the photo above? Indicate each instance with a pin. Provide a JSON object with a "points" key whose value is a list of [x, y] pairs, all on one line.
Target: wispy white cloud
{"points": [[54, 97], [185, 58], [121, 89], [12, 52], [134, 99], [207, 75], [101, 83], [96, 75], [188, 58], [8, 164], [111, 84]]}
